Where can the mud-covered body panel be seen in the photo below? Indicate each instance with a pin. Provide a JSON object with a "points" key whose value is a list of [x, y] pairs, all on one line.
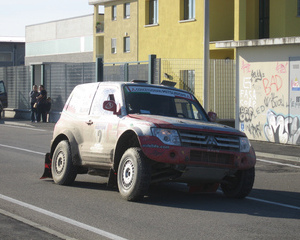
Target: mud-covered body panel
{"points": [[156, 150]]}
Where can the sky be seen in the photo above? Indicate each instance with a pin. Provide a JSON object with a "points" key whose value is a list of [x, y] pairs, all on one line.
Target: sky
{"points": [[16, 14]]}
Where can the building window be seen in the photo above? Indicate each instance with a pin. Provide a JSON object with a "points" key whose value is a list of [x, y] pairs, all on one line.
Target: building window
{"points": [[188, 80], [298, 8], [5, 57], [114, 12], [126, 44], [113, 45], [127, 10], [188, 9], [153, 12]]}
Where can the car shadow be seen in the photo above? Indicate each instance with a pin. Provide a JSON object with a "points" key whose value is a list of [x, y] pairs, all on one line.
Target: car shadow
{"points": [[176, 195]]}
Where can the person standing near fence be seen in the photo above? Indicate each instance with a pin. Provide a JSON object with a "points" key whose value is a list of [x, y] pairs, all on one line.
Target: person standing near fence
{"points": [[33, 95], [41, 104]]}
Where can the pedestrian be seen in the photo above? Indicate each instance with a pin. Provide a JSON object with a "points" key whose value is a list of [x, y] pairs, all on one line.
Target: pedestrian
{"points": [[33, 102], [41, 104]]}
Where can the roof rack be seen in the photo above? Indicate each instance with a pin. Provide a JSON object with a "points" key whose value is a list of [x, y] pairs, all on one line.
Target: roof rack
{"points": [[139, 81], [168, 83]]}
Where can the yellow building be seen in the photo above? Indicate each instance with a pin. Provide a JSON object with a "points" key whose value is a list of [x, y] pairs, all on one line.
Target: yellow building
{"points": [[120, 30], [175, 28], [235, 20]]}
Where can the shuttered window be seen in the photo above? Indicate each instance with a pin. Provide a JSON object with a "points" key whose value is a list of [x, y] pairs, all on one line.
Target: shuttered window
{"points": [[127, 10], [114, 12], [126, 44], [113, 45]]}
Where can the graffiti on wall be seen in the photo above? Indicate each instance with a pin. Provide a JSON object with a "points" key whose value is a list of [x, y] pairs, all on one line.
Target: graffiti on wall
{"points": [[282, 129], [263, 87]]}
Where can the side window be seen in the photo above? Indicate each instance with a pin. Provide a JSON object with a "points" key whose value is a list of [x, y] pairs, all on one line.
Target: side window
{"points": [[103, 94], [81, 99]]}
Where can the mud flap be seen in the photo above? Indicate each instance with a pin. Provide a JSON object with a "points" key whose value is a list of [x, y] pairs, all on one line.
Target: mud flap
{"points": [[47, 171]]}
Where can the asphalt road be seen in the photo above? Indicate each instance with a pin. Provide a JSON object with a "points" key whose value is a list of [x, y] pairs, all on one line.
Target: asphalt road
{"points": [[90, 210]]}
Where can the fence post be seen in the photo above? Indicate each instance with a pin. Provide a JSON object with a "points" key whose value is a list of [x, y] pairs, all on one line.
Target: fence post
{"points": [[99, 70], [126, 66], [151, 68]]}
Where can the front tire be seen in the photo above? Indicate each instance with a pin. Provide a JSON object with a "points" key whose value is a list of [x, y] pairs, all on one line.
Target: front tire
{"points": [[240, 184], [62, 168], [134, 175]]}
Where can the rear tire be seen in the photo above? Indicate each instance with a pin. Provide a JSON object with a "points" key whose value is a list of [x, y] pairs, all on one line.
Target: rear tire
{"points": [[240, 184], [134, 175], [62, 168]]}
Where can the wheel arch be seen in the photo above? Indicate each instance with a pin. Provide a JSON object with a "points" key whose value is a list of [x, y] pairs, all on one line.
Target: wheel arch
{"points": [[73, 145], [127, 140]]}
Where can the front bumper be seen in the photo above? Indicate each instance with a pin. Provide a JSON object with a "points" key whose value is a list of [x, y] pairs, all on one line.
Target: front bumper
{"points": [[155, 150]]}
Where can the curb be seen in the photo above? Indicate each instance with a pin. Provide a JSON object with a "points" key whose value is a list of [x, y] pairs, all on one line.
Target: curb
{"points": [[36, 225]]}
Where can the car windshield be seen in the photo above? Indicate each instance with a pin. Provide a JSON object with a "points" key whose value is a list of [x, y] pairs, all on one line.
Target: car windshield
{"points": [[162, 101]]}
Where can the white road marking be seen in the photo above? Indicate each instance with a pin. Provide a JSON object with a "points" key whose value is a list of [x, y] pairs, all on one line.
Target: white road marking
{"points": [[24, 127], [21, 149], [273, 203], [64, 219], [278, 163]]}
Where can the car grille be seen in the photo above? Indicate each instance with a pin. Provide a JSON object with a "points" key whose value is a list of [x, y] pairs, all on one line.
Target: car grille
{"points": [[211, 158], [208, 141]]}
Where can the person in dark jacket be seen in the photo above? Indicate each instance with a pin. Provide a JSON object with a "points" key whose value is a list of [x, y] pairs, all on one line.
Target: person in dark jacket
{"points": [[33, 95], [41, 104]]}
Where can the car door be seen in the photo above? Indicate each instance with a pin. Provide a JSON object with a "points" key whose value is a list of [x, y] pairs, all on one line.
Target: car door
{"points": [[103, 125]]}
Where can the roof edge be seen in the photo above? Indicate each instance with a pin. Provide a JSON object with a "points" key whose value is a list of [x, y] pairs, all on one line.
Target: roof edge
{"points": [[258, 42]]}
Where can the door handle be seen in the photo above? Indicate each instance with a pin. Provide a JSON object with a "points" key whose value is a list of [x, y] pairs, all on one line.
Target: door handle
{"points": [[90, 122]]}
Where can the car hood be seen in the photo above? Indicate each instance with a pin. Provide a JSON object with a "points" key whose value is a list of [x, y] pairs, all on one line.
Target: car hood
{"points": [[186, 124]]}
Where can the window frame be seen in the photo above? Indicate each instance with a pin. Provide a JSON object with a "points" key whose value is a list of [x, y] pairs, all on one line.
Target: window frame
{"points": [[126, 13], [188, 11], [153, 12], [125, 44], [114, 12], [113, 45]]}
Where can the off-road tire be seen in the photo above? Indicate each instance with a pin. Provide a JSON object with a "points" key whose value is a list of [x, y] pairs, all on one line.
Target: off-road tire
{"points": [[240, 184], [134, 175], [62, 168]]}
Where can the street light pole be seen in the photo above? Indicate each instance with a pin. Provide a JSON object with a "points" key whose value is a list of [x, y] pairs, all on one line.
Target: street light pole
{"points": [[206, 55]]}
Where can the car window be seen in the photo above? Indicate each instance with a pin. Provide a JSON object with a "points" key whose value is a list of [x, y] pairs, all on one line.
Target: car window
{"points": [[163, 102], [104, 93], [81, 99]]}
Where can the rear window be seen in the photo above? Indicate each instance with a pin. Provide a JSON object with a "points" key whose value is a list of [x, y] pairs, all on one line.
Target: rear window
{"points": [[81, 98]]}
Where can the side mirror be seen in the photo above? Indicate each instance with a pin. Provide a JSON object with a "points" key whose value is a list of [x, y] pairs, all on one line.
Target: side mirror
{"points": [[212, 116], [110, 106]]}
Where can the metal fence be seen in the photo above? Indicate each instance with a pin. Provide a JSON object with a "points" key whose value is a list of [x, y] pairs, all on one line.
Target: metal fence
{"points": [[188, 74], [124, 72], [17, 81], [222, 88], [60, 79]]}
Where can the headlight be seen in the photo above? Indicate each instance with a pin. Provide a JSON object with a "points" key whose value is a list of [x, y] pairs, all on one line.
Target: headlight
{"points": [[167, 136], [244, 144]]}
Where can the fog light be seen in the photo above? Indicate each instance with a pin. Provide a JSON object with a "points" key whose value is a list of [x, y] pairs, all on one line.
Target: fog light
{"points": [[172, 154]]}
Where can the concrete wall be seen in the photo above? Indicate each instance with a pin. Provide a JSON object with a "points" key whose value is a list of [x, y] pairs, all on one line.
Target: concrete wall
{"points": [[63, 40], [264, 103]]}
